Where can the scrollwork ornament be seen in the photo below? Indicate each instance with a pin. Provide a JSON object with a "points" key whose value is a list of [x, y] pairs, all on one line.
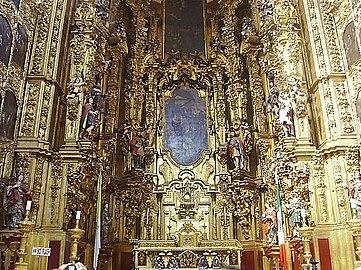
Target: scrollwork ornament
{"points": [[344, 105], [318, 172], [57, 169]]}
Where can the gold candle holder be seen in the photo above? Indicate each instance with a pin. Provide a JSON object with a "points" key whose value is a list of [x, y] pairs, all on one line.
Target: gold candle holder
{"points": [[25, 227], [75, 234], [306, 233]]}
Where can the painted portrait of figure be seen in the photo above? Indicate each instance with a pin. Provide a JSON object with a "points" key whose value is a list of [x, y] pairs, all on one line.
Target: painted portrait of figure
{"points": [[21, 44], [350, 44], [8, 116], [184, 26], [185, 125], [6, 39]]}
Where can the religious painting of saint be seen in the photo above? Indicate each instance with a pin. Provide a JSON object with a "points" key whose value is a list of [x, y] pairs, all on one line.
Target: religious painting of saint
{"points": [[350, 44], [21, 44], [184, 26], [185, 125], [8, 116], [17, 3], [6, 39]]}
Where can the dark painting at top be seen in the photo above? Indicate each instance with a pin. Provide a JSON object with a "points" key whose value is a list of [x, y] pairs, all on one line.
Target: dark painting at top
{"points": [[6, 38], [17, 3], [184, 26], [185, 125], [21, 44]]}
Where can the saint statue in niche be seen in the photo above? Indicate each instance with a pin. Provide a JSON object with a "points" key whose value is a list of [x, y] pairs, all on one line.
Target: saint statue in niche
{"points": [[137, 145], [94, 102], [16, 195], [236, 150], [88, 119]]}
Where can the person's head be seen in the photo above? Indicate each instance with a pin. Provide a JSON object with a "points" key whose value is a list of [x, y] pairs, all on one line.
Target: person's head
{"points": [[20, 179]]}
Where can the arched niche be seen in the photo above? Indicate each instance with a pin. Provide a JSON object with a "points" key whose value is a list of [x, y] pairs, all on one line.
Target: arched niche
{"points": [[6, 38], [350, 44], [21, 45], [8, 116]]}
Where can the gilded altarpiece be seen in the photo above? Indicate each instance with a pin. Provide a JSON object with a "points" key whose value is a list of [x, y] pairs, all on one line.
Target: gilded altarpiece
{"points": [[199, 120]]}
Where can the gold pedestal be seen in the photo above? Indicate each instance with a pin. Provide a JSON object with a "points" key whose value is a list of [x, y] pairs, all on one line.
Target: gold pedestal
{"points": [[75, 234], [306, 233], [273, 255], [25, 227], [355, 225]]}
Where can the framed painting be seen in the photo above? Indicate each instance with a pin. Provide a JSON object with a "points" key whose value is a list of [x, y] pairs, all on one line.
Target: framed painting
{"points": [[184, 26], [8, 116], [21, 44], [6, 38], [185, 125]]}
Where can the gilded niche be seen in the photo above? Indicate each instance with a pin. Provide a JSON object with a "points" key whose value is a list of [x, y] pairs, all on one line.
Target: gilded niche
{"points": [[185, 125]]}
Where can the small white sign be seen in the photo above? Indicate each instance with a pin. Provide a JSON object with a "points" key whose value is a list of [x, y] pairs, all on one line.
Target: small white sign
{"points": [[40, 251]]}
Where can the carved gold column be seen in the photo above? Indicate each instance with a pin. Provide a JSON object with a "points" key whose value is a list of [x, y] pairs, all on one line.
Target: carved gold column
{"points": [[256, 88], [293, 73], [233, 67], [81, 51], [135, 88]]}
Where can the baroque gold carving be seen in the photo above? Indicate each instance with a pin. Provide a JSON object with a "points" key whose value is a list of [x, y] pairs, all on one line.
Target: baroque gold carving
{"points": [[57, 175], [318, 173]]}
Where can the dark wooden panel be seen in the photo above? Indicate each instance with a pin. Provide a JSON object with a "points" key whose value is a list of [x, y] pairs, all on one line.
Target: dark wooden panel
{"points": [[248, 260], [325, 256], [53, 260], [126, 259]]}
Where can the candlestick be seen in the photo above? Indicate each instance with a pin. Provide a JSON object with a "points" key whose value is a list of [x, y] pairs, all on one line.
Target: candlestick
{"points": [[353, 203], [303, 213], [78, 213], [28, 205]]}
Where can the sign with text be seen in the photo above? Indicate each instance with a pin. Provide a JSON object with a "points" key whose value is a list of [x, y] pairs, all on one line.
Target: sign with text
{"points": [[40, 251]]}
